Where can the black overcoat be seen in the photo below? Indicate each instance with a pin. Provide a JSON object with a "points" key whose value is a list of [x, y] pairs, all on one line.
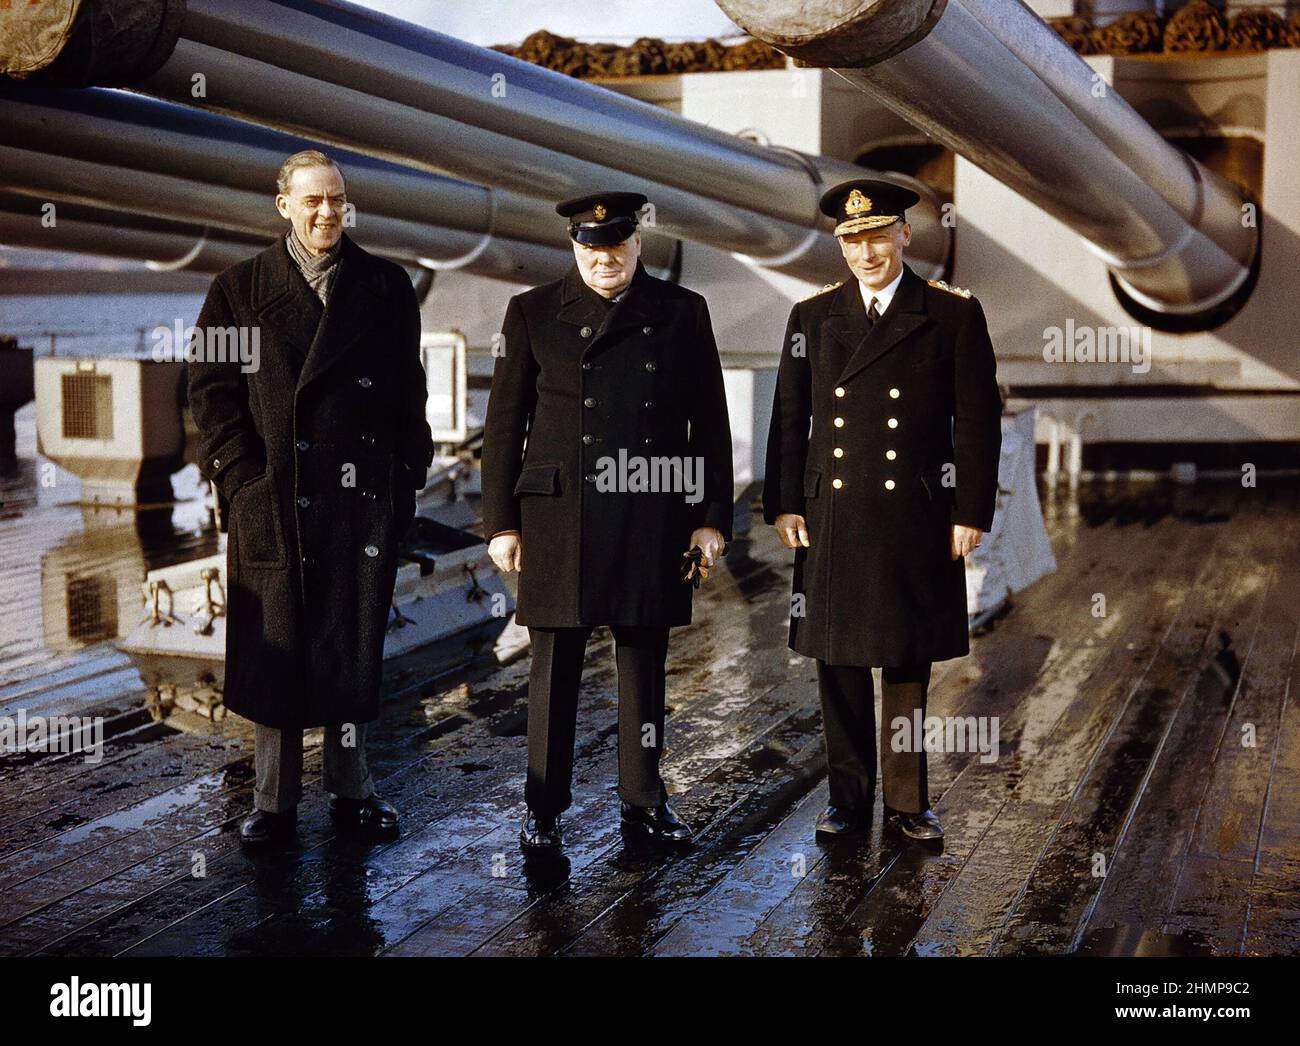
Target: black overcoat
{"points": [[904, 441], [320, 451], [576, 384]]}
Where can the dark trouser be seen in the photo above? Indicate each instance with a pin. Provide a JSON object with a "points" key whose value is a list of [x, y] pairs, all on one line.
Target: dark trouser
{"points": [[277, 756], [553, 682], [849, 721]]}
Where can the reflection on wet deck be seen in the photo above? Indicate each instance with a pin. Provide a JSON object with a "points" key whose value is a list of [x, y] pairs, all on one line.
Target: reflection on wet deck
{"points": [[1145, 800], [70, 580]]}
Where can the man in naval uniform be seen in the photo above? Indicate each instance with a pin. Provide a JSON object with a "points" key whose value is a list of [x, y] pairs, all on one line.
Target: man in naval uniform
{"points": [[604, 368], [882, 470], [319, 447]]}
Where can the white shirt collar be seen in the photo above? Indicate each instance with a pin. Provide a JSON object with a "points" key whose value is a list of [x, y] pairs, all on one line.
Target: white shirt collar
{"points": [[883, 297]]}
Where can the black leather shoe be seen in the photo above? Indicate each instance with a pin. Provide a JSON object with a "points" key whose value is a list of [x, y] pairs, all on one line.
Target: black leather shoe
{"points": [[262, 827], [371, 816], [837, 820], [917, 826], [541, 833], [658, 822]]}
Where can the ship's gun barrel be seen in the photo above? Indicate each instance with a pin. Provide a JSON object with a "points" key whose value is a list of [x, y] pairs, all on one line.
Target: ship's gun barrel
{"points": [[358, 79], [228, 170], [992, 81]]}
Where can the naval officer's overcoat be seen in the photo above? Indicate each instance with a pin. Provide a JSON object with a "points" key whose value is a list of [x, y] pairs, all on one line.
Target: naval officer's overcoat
{"points": [[882, 438], [320, 451], [577, 385]]}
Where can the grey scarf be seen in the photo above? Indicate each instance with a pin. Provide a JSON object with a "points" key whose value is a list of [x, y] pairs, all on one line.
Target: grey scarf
{"points": [[318, 270]]}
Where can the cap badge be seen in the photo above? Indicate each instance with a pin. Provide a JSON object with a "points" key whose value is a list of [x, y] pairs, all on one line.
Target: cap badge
{"points": [[857, 203], [599, 212]]}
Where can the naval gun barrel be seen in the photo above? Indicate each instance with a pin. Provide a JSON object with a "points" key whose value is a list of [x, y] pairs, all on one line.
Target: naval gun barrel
{"points": [[363, 80], [68, 180], [131, 130], [164, 245], [413, 215], [992, 81]]}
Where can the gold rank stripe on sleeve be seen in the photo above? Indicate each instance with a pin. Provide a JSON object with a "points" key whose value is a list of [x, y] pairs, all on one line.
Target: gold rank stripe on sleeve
{"points": [[828, 287], [961, 292]]}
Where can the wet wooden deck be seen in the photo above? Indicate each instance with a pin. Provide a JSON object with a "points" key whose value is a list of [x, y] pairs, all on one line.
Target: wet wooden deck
{"points": [[1124, 815]]}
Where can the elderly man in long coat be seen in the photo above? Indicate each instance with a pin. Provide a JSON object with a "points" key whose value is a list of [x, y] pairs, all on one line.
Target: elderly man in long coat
{"points": [[606, 459], [319, 445], [882, 470]]}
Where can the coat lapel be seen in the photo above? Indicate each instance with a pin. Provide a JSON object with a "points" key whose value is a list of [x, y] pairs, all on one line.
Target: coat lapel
{"points": [[285, 303], [579, 306], [637, 307], [354, 306], [905, 314], [847, 320]]}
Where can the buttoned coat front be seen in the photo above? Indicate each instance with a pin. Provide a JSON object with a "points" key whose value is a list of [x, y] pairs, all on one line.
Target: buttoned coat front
{"points": [[882, 438], [578, 389], [319, 449]]}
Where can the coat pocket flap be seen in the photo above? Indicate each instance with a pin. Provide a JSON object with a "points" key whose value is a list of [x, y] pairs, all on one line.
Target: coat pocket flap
{"points": [[539, 479], [250, 483], [255, 515], [812, 479]]}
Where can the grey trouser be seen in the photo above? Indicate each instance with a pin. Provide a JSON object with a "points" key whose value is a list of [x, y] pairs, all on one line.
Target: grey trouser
{"points": [[849, 722], [277, 756]]}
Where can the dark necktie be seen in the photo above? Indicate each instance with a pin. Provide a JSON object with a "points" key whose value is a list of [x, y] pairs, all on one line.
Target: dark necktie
{"points": [[873, 313]]}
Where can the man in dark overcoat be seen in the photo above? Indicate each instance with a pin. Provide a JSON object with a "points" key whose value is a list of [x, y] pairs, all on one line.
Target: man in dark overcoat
{"points": [[882, 473], [606, 459], [319, 442]]}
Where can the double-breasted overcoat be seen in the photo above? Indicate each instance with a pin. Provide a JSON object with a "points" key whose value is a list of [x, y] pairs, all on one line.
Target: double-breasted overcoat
{"points": [[580, 390], [319, 448], [883, 437]]}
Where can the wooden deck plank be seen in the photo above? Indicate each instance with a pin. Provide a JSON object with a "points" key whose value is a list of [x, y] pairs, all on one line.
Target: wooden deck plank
{"points": [[409, 729], [506, 795], [809, 910], [1273, 913], [593, 834], [1224, 850], [1005, 811], [1161, 825], [657, 896], [1076, 716], [882, 923], [1068, 879], [1103, 737]]}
